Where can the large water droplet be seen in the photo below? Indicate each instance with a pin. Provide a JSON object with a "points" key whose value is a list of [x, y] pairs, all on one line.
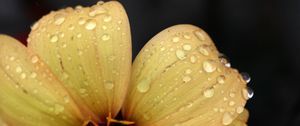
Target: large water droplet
{"points": [[109, 85], [227, 119], [209, 66], [35, 26], [246, 77], [209, 92], [105, 37], [90, 25], [247, 93], [239, 109], [59, 19], [199, 35], [96, 10], [23, 76], [186, 79], [81, 21], [53, 38], [143, 86], [180, 54]]}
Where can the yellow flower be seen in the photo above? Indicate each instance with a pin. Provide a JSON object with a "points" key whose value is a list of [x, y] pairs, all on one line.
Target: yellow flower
{"points": [[77, 70]]}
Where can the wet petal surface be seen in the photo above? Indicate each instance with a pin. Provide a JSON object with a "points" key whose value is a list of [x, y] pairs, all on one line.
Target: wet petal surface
{"points": [[178, 79]]}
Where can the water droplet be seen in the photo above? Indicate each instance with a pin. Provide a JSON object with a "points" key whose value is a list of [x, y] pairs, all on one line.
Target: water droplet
{"points": [[100, 2], [90, 25], [188, 71], [231, 103], [143, 86], [33, 75], [35, 26], [175, 39], [59, 19], [250, 92], [187, 47], [79, 35], [109, 85], [224, 60], [81, 21], [239, 109], [104, 27], [96, 10], [18, 69], [204, 49], [105, 37], [71, 27], [227, 119], [58, 109], [53, 38], [180, 54], [209, 92], [186, 79], [23, 76], [221, 79], [12, 58], [7, 67], [209, 66], [107, 18], [65, 76], [231, 94], [66, 99], [246, 77], [186, 36], [34, 59], [199, 35], [193, 59], [247, 93]]}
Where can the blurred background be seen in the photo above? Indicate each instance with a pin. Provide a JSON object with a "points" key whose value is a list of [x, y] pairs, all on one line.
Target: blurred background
{"points": [[261, 37]]}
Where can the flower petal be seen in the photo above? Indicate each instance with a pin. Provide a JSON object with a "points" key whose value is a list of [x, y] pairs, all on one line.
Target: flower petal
{"points": [[178, 78], [89, 49], [241, 120], [30, 95]]}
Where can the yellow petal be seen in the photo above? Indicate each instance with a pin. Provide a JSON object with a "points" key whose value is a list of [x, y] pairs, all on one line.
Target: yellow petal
{"points": [[178, 79], [89, 49], [29, 93], [241, 120]]}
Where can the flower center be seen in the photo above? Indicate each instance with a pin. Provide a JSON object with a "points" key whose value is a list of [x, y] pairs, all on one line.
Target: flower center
{"points": [[109, 120]]}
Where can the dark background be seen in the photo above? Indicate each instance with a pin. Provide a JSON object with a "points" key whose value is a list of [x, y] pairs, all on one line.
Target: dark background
{"points": [[261, 37]]}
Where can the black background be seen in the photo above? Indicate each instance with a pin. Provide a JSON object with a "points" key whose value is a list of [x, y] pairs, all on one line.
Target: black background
{"points": [[261, 37]]}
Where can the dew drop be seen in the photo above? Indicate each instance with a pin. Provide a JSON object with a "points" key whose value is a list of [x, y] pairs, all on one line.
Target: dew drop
{"points": [[107, 19], [186, 79], [33, 75], [188, 71], [71, 27], [105, 37], [204, 49], [231, 94], [58, 109], [59, 19], [209, 92], [7, 67], [34, 59], [224, 60], [143, 86], [186, 36], [175, 39], [209, 66], [227, 119], [96, 10], [79, 35], [90, 25], [193, 59], [23, 76], [65, 76], [104, 27], [12, 58], [199, 35], [109, 85], [53, 38], [180, 54], [18, 69], [247, 93], [187, 47], [239, 109], [81, 21], [231, 103], [246, 77], [221, 79]]}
